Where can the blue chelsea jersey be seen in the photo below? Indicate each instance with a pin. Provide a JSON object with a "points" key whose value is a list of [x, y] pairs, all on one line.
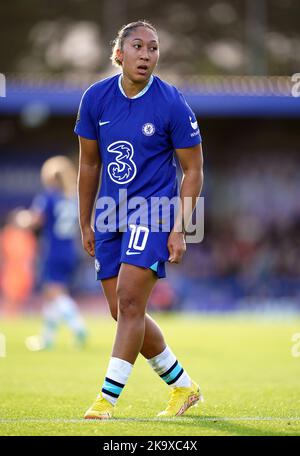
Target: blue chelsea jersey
{"points": [[60, 226], [137, 136]]}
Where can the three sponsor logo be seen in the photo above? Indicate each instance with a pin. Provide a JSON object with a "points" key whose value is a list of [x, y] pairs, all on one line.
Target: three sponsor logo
{"points": [[123, 169]]}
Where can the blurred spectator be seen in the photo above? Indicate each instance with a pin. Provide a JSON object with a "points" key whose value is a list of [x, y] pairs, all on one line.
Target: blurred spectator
{"points": [[251, 246], [18, 251], [162, 297]]}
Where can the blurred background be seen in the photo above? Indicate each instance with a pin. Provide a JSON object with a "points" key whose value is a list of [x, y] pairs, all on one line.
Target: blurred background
{"points": [[234, 62]]}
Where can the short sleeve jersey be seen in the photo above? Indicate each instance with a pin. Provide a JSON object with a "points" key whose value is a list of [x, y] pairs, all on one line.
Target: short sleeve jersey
{"points": [[137, 136], [60, 229]]}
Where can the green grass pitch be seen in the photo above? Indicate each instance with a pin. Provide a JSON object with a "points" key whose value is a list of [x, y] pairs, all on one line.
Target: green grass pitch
{"points": [[244, 364]]}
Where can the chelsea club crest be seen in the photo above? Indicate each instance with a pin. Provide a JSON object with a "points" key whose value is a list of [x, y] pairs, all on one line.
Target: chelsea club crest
{"points": [[148, 129], [97, 265]]}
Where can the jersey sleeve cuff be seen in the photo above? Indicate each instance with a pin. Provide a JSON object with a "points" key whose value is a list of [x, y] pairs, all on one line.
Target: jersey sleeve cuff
{"points": [[193, 143], [84, 134]]}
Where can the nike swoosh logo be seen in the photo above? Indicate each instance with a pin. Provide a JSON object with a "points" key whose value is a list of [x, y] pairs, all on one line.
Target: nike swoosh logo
{"points": [[128, 252], [194, 124], [103, 123]]}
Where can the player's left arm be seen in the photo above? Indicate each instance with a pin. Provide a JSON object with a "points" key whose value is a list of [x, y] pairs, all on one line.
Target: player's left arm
{"points": [[191, 162], [36, 214]]}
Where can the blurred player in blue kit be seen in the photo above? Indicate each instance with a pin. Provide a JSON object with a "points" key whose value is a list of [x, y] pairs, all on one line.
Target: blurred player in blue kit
{"points": [[129, 127], [55, 212]]}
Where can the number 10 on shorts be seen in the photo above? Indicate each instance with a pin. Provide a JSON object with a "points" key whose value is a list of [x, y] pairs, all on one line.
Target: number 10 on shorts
{"points": [[138, 237]]}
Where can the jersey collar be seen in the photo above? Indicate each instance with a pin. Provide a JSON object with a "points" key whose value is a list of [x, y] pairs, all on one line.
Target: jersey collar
{"points": [[138, 95]]}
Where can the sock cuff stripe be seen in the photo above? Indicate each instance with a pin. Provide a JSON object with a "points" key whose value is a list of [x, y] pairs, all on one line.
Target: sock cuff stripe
{"points": [[109, 393], [169, 370], [176, 378], [112, 388], [113, 382]]}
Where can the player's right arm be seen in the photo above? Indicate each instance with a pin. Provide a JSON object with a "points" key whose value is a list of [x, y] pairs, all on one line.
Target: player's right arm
{"points": [[88, 182]]}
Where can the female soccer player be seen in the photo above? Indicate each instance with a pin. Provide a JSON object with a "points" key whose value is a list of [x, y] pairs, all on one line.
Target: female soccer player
{"points": [[55, 211], [129, 126]]}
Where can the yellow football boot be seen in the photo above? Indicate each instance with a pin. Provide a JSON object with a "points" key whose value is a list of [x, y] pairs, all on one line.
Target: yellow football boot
{"points": [[181, 399], [100, 410]]}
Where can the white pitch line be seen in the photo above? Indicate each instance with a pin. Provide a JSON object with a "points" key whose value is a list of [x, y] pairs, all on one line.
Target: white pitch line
{"points": [[145, 420]]}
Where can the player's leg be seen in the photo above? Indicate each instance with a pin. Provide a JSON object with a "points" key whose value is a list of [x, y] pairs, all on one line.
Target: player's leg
{"points": [[154, 342], [133, 289], [51, 315], [60, 307], [65, 303], [70, 315], [60, 272], [147, 248], [160, 357]]}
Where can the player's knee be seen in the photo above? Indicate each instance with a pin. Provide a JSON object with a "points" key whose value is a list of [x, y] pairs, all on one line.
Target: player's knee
{"points": [[129, 305]]}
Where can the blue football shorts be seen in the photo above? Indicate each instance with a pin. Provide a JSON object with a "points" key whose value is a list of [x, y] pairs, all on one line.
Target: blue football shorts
{"points": [[59, 269], [138, 246]]}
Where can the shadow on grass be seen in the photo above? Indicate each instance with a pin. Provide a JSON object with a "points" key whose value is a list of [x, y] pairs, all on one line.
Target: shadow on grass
{"points": [[235, 428], [216, 424]]}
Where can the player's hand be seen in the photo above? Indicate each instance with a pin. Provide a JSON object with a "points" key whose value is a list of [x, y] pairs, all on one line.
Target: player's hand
{"points": [[176, 246], [88, 240]]}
